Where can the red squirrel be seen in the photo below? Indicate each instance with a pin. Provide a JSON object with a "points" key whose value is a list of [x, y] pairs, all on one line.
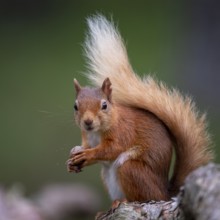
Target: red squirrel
{"points": [[131, 125]]}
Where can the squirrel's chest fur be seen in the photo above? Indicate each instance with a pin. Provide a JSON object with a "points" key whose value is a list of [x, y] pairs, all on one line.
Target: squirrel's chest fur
{"points": [[109, 170], [93, 138]]}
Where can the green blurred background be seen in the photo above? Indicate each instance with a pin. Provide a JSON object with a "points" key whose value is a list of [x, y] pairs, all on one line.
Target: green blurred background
{"points": [[41, 53]]}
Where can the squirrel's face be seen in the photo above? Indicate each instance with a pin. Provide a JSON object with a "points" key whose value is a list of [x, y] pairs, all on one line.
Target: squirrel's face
{"points": [[93, 108]]}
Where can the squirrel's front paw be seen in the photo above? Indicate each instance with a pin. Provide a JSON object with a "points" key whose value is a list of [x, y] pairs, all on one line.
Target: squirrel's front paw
{"points": [[71, 166], [84, 157]]}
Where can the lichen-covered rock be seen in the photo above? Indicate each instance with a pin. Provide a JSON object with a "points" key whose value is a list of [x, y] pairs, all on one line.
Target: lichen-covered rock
{"points": [[201, 195]]}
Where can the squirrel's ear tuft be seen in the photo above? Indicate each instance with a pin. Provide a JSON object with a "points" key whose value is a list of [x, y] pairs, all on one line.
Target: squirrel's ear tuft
{"points": [[106, 88], [77, 86]]}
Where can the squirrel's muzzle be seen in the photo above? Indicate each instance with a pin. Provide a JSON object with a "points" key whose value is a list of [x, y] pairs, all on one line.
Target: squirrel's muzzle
{"points": [[88, 123]]}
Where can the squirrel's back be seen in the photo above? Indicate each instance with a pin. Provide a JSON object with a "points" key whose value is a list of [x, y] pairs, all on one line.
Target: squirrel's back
{"points": [[107, 57]]}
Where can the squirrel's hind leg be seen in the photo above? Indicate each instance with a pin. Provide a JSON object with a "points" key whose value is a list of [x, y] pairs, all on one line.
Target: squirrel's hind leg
{"points": [[145, 187]]}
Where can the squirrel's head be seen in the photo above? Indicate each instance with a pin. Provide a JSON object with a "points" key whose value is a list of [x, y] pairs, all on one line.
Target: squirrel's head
{"points": [[93, 106]]}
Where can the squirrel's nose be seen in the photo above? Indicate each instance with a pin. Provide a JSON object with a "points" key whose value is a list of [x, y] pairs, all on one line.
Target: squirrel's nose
{"points": [[88, 122]]}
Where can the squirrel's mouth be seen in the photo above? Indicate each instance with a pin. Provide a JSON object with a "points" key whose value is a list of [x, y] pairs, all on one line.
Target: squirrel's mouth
{"points": [[89, 128]]}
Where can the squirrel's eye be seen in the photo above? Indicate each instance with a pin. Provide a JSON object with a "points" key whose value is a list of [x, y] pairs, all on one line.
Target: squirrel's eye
{"points": [[75, 107], [104, 105]]}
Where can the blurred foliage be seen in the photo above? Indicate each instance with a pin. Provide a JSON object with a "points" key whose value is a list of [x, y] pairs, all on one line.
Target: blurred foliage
{"points": [[41, 52]]}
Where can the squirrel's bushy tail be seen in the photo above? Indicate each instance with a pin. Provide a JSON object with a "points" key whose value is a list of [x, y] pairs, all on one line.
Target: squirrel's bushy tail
{"points": [[108, 58]]}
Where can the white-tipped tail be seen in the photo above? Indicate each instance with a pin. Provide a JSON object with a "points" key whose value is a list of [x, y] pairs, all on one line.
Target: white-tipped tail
{"points": [[108, 58], [105, 50]]}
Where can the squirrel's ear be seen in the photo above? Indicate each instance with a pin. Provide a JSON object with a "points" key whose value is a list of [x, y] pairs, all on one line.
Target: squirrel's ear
{"points": [[77, 86], [106, 88]]}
